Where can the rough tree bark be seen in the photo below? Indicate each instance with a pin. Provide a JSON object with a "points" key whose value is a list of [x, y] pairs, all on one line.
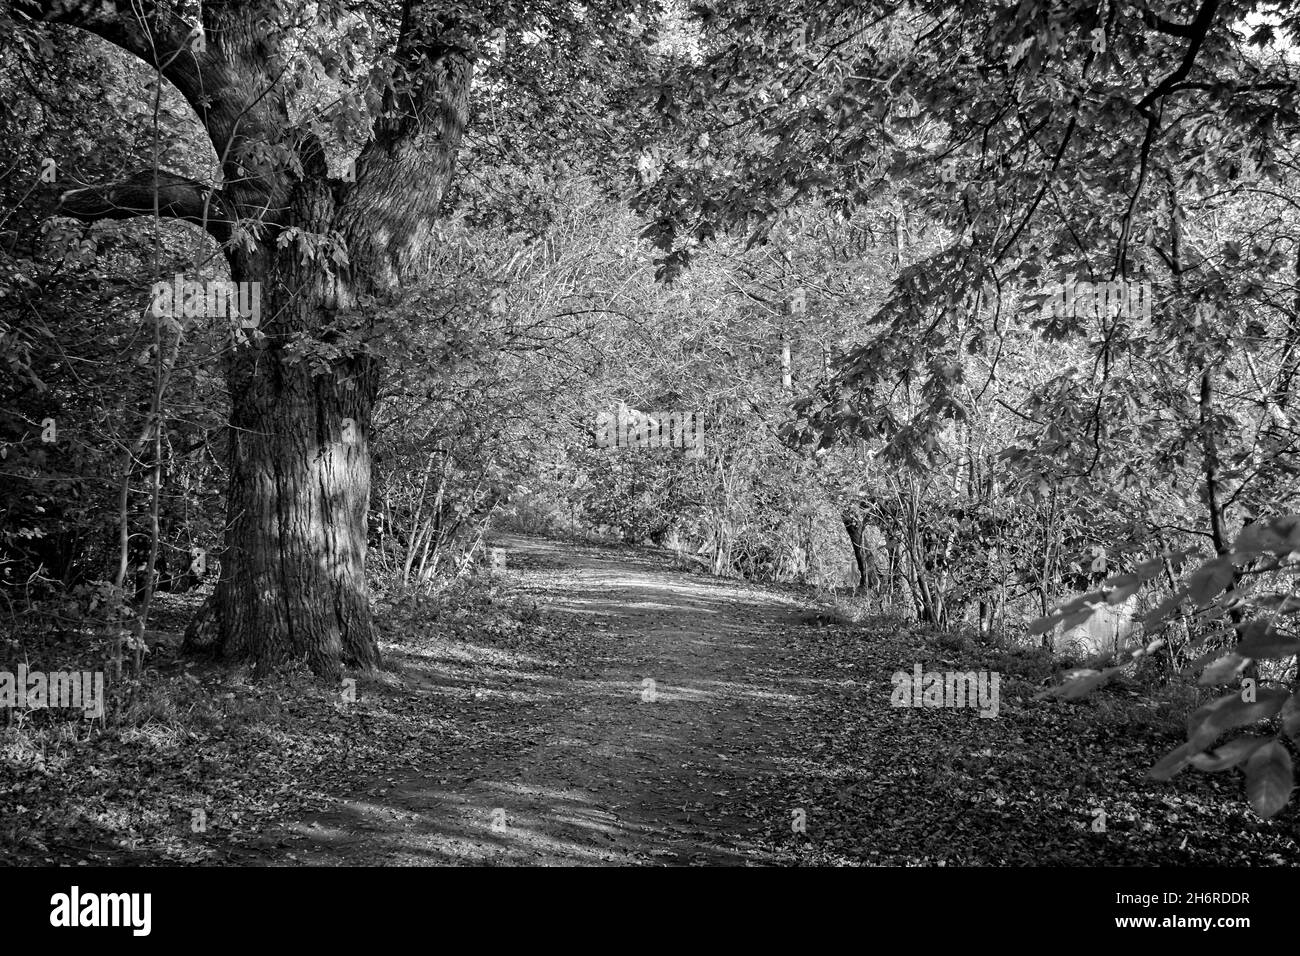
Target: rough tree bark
{"points": [[328, 253]]}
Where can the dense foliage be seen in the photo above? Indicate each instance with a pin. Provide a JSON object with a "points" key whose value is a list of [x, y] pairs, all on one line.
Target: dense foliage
{"points": [[983, 306]]}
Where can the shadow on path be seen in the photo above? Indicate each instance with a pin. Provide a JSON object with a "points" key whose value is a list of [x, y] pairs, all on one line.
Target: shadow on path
{"points": [[641, 746]]}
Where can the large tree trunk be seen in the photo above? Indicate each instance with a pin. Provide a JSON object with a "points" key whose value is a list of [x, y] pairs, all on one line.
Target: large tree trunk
{"points": [[293, 582], [293, 566]]}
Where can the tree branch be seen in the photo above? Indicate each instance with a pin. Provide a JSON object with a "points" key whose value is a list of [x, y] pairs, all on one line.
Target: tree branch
{"points": [[403, 171], [154, 32], [1196, 32], [1167, 27], [224, 77], [178, 197]]}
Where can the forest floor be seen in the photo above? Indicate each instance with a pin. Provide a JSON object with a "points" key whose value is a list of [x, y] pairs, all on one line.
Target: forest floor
{"points": [[642, 714]]}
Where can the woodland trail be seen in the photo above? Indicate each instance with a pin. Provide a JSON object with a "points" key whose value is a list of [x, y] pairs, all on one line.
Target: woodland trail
{"points": [[625, 771], [555, 753]]}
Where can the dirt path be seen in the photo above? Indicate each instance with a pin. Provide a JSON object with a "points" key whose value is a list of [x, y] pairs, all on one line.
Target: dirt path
{"points": [[763, 739], [644, 749], [645, 716]]}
